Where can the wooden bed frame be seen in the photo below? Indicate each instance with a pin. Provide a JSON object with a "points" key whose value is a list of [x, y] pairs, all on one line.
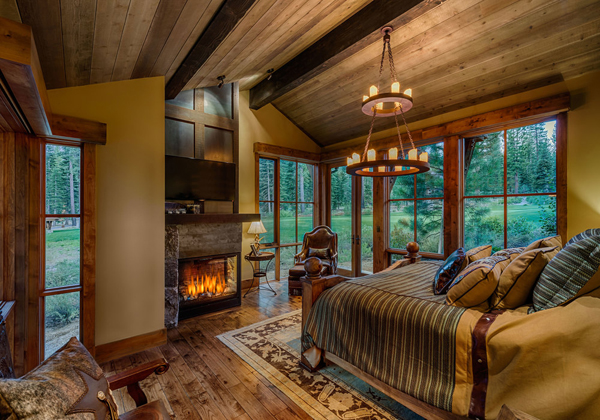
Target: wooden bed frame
{"points": [[312, 287]]}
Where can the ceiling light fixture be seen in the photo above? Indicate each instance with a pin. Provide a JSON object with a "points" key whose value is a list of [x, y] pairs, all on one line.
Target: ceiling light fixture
{"points": [[379, 104], [270, 73], [221, 80]]}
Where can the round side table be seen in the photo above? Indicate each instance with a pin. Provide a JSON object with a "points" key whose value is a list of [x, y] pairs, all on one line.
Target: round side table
{"points": [[258, 272]]}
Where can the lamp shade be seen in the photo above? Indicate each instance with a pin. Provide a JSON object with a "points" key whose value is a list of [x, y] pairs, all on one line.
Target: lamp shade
{"points": [[257, 228]]}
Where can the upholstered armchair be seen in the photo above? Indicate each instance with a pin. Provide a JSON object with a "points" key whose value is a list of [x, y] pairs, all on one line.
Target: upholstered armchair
{"points": [[321, 242]]}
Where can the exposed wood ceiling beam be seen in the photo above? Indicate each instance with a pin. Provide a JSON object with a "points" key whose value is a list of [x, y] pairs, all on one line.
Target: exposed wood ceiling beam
{"points": [[224, 21], [356, 33]]}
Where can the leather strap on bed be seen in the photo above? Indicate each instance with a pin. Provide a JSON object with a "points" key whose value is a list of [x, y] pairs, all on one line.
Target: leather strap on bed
{"points": [[480, 366]]}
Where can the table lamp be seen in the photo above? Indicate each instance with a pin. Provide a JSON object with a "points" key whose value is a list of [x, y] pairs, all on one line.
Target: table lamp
{"points": [[257, 228]]}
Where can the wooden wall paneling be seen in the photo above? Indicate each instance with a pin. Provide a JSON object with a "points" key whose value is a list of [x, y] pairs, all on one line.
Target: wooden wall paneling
{"points": [[227, 17], [33, 253], [200, 26], [236, 144], [561, 174], [10, 10], [191, 115], [78, 21], [483, 122], [379, 232], [88, 298], [108, 31], [165, 18], [452, 186], [47, 31], [280, 151], [138, 21], [190, 16], [357, 32]]}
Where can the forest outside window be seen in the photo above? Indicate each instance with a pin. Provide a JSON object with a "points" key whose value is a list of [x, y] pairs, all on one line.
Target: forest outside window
{"points": [[286, 186], [509, 195], [61, 275], [416, 206]]}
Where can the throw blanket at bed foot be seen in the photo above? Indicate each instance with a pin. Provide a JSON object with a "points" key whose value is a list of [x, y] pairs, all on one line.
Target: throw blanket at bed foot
{"points": [[391, 326]]}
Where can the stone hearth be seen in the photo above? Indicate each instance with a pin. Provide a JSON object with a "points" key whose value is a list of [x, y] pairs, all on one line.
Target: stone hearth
{"points": [[194, 240]]}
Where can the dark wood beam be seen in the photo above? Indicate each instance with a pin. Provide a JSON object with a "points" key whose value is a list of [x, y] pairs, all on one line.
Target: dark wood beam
{"points": [[356, 33], [224, 21]]}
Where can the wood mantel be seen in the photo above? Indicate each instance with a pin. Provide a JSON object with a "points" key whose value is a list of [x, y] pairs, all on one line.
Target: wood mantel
{"points": [[186, 219]]}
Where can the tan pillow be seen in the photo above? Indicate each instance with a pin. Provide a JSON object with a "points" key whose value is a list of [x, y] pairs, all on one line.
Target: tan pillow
{"points": [[548, 242], [476, 283], [478, 253], [518, 279], [511, 253]]}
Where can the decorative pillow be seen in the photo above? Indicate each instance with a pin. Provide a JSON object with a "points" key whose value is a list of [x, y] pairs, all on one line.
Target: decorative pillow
{"points": [[448, 271], [510, 253], [585, 234], [478, 253], [322, 253], [518, 279], [69, 383], [476, 283], [567, 273], [548, 242]]}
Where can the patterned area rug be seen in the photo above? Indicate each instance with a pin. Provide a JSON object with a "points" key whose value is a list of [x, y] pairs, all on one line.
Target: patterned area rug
{"points": [[272, 347]]}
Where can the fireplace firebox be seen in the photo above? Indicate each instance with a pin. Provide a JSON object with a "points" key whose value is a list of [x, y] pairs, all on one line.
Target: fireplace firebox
{"points": [[209, 284]]}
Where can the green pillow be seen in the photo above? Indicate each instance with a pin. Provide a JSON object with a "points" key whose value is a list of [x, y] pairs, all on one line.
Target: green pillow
{"points": [[567, 273]]}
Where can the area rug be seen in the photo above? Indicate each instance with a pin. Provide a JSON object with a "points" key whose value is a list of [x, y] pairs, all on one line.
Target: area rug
{"points": [[272, 347]]}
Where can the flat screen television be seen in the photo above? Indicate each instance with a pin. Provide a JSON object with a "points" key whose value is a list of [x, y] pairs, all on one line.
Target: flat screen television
{"points": [[198, 179]]}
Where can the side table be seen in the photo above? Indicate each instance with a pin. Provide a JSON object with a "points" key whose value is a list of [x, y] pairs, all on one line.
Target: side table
{"points": [[258, 272]]}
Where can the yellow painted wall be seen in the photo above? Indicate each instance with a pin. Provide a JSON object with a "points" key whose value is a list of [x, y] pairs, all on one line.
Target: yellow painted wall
{"points": [[130, 197], [267, 125]]}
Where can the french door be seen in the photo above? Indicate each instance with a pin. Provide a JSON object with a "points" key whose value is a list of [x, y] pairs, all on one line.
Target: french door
{"points": [[351, 217]]}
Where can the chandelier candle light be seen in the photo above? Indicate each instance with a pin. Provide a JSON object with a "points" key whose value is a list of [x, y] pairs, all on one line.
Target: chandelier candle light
{"points": [[379, 104]]}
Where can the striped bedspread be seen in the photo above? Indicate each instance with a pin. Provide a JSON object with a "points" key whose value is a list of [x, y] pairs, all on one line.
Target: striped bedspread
{"points": [[393, 327]]}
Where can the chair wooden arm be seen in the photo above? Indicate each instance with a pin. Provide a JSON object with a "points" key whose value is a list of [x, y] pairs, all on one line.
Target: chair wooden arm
{"points": [[132, 377]]}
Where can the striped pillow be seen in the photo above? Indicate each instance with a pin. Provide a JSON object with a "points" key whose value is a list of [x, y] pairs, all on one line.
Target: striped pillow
{"points": [[567, 273], [583, 235]]}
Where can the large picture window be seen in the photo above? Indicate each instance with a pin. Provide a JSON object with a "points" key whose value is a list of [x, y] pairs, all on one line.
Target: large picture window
{"points": [[416, 206], [509, 191], [61, 277], [287, 206]]}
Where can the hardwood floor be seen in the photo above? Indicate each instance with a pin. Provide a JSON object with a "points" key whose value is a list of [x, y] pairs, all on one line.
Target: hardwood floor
{"points": [[206, 379]]}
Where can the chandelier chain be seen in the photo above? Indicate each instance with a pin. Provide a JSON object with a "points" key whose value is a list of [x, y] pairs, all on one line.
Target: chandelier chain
{"points": [[364, 156], [407, 130], [392, 66], [381, 65], [399, 136]]}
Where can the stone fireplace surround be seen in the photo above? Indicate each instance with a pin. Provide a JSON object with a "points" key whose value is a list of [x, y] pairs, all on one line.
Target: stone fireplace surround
{"points": [[194, 240]]}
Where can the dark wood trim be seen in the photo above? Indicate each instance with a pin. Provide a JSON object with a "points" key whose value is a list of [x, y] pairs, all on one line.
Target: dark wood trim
{"points": [[452, 165], [561, 175], [198, 117], [271, 150], [379, 233], [77, 130], [357, 32], [516, 115], [184, 219], [116, 349], [88, 281], [235, 99], [222, 23]]}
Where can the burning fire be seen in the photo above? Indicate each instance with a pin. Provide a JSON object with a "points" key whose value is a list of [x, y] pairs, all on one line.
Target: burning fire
{"points": [[206, 285]]}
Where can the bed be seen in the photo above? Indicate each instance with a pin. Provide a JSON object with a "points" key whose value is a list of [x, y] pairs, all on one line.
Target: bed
{"points": [[447, 362]]}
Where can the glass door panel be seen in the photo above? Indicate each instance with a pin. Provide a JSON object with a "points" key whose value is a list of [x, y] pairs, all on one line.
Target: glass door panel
{"points": [[366, 226], [341, 215]]}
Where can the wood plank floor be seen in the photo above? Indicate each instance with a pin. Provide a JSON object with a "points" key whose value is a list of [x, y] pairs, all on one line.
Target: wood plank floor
{"points": [[206, 379]]}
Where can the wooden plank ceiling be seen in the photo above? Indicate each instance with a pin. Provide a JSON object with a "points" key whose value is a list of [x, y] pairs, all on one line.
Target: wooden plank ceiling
{"points": [[459, 53]]}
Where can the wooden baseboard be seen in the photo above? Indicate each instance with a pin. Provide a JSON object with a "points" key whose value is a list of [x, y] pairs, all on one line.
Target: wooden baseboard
{"points": [[116, 349]]}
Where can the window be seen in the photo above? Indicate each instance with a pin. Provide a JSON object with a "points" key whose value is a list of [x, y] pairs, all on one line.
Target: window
{"points": [[416, 206], [286, 195], [61, 275], [341, 214], [509, 194]]}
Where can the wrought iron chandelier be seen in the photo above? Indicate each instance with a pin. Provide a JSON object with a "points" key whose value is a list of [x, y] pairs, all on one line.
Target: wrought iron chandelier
{"points": [[386, 105]]}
